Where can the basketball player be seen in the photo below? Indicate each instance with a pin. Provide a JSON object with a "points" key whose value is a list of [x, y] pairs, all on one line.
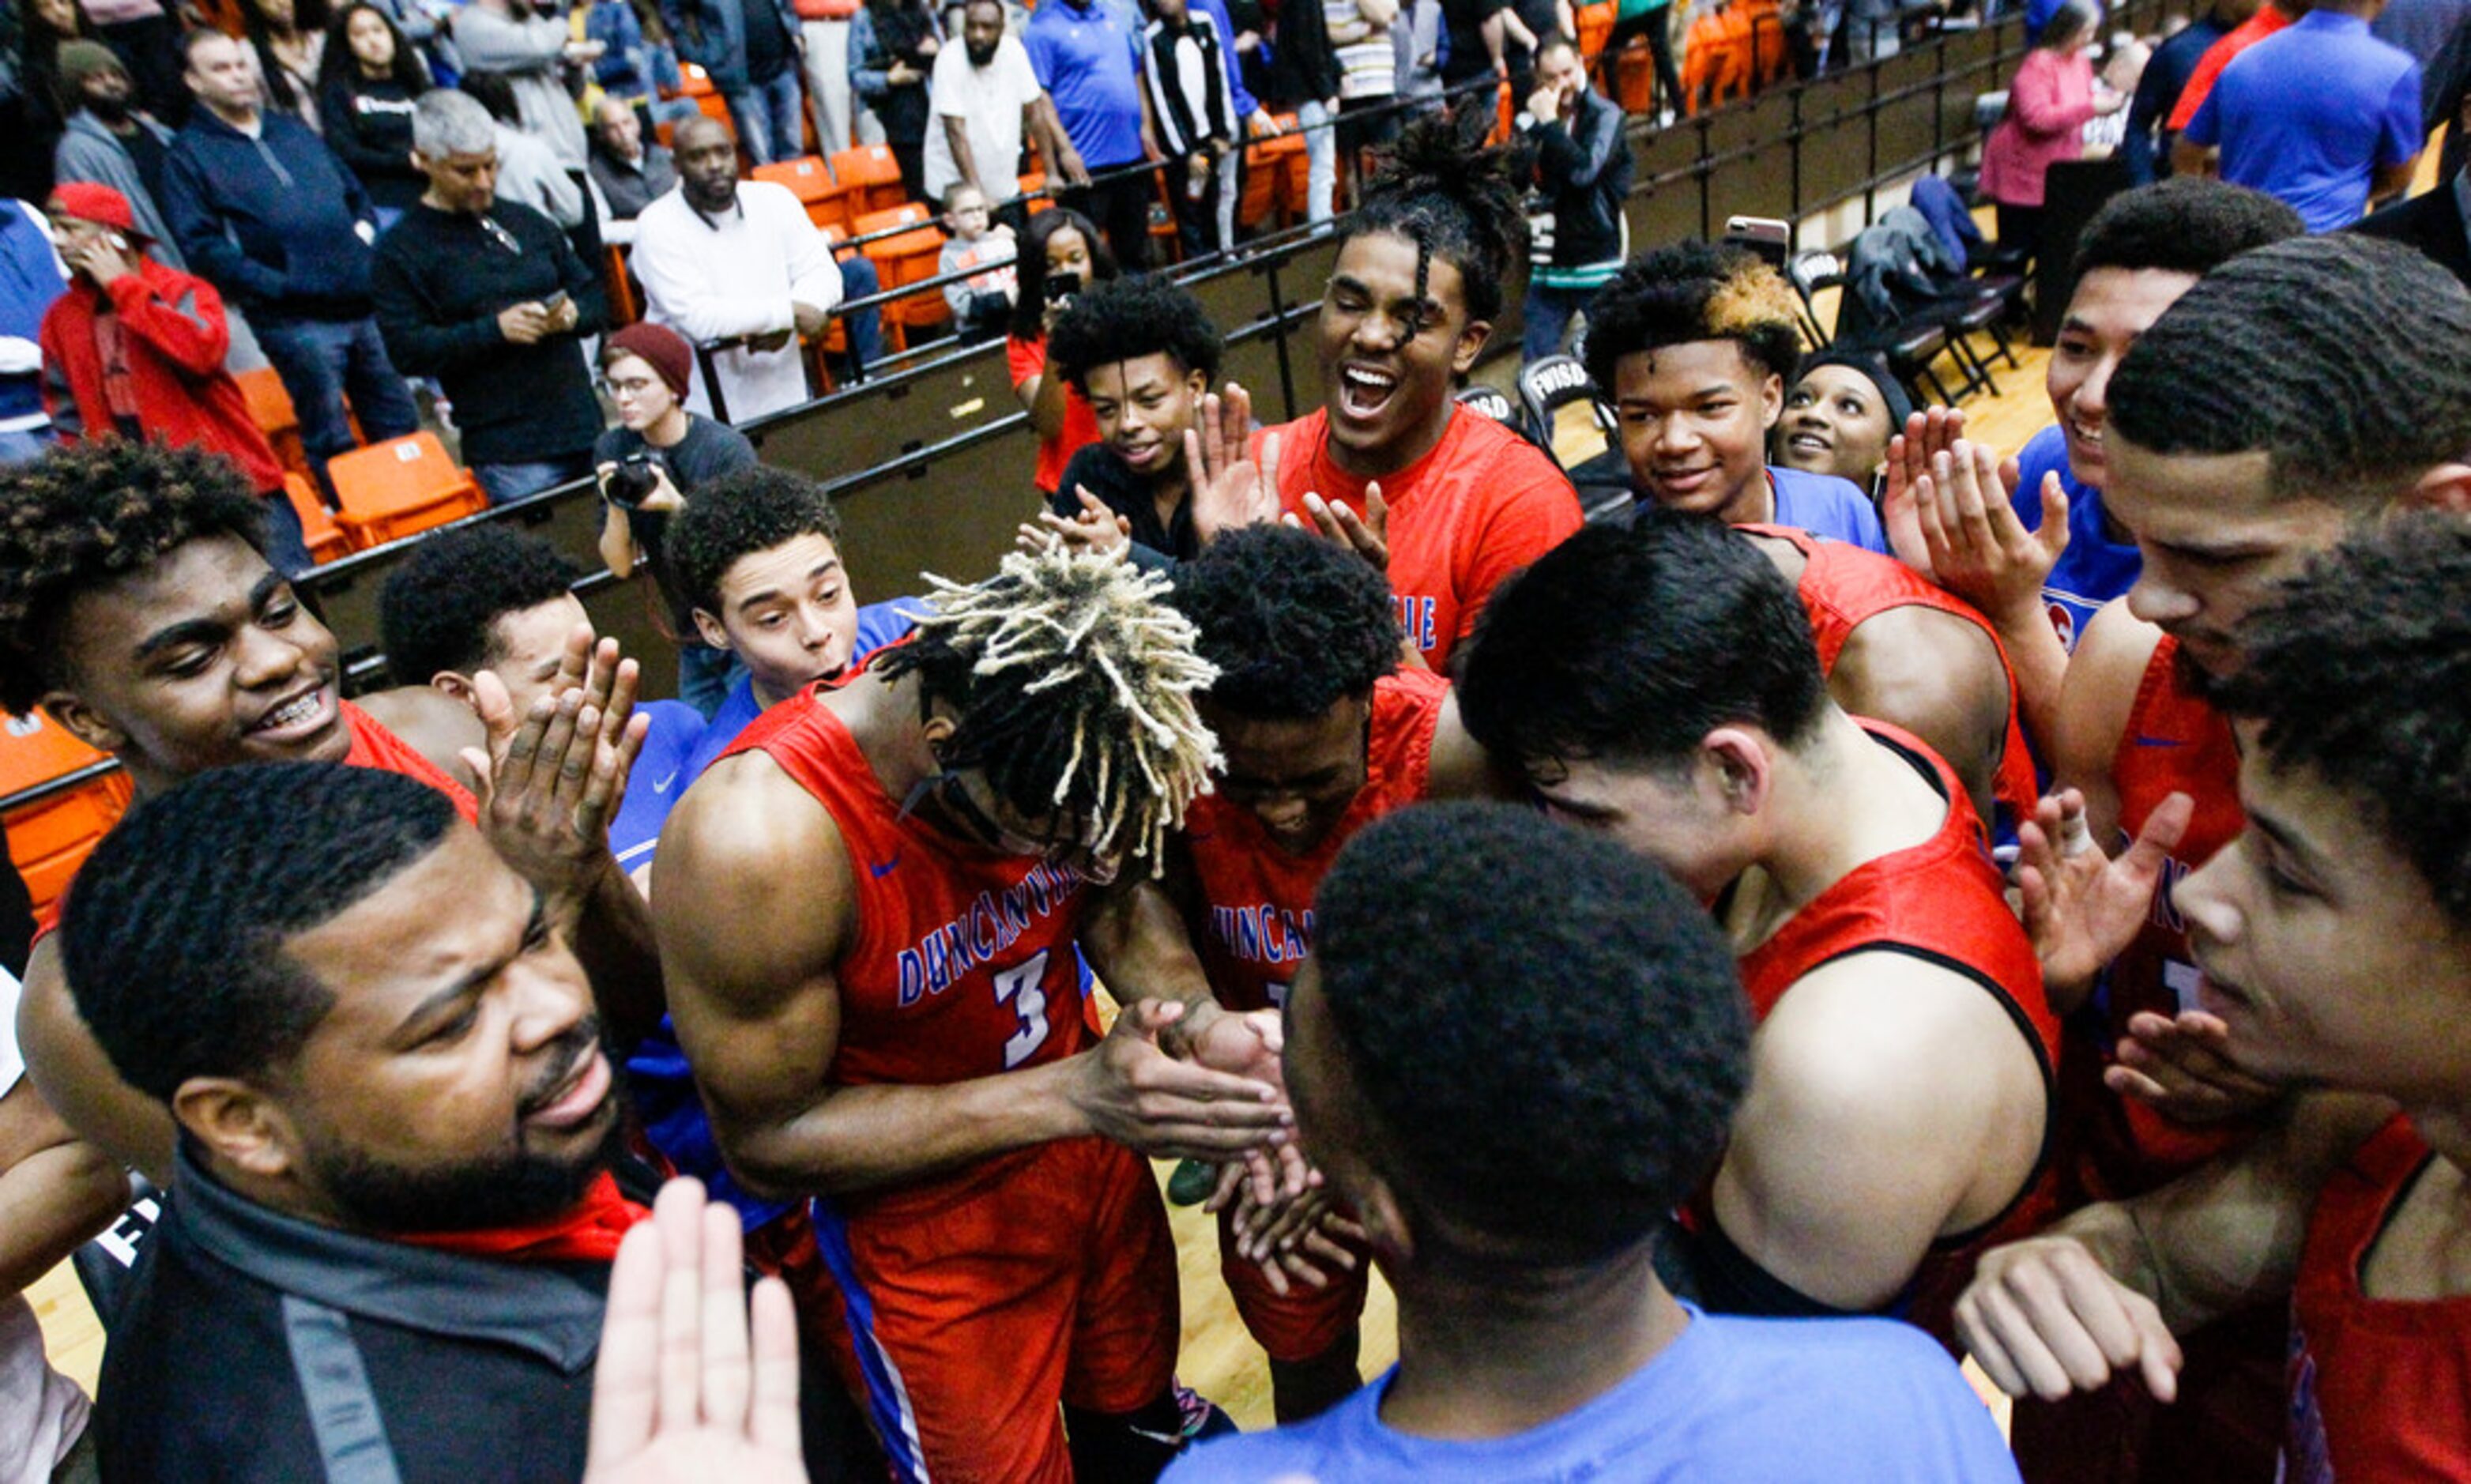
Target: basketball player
{"points": [[869, 909], [137, 609], [2333, 937], [1659, 685], [2357, 400], [1322, 733], [1421, 273]]}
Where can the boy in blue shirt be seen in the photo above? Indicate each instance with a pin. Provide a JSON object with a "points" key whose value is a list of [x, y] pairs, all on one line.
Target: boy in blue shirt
{"points": [[1510, 1160]]}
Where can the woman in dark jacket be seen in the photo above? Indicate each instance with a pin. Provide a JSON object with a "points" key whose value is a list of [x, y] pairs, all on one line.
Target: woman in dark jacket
{"points": [[368, 80]]}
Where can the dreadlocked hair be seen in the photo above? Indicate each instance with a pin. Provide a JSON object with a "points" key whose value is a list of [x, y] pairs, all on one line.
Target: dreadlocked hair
{"points": [[1442, 189], [1074, 683], [87, 514], [2346, 360]]}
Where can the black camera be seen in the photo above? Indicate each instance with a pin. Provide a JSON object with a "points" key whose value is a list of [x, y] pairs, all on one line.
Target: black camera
{"points": [[632, 482]]}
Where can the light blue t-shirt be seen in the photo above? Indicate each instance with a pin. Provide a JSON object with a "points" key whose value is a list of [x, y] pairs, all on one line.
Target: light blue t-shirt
{"points": [[1828, 506], [1733, 1400], [2094, 569], [2309, 113]]}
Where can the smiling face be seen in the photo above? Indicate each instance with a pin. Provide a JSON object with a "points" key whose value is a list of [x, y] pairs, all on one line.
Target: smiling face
{"points": [[787, 611], [1835, 422], [458, 1081], [2109, 310], [1694, 423], [2323, 951], [1143, 407], [1389, 358], [1296, 775], [202, 660]]}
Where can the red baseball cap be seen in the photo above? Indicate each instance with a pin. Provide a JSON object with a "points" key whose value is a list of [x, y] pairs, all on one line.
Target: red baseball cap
{"points": [[100, 204]]}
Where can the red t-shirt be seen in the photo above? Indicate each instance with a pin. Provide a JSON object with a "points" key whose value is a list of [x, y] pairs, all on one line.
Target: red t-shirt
{"points": [[963, 964], [1025, 359], [2201, 82], [2174, 742], [1257, 897], [1843, 585], [1940, 902], [1481, 504], [2380, 1388]]}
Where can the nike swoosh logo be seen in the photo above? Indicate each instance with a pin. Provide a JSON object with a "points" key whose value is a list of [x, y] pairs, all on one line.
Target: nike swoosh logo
{"points": [[663, 786], [2143, 740], [879, 872]]}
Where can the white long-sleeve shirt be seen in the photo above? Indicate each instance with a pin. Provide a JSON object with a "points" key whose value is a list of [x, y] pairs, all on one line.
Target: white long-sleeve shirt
{"points": [[715, 277]]}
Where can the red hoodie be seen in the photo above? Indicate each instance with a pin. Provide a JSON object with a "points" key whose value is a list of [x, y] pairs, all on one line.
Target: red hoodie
{"points": [[174, 337]]}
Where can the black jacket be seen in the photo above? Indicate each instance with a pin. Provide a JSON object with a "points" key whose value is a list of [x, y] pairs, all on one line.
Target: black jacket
{"points": [[2431, 222], [255, 1346], [1583, 167], [369, 125]]}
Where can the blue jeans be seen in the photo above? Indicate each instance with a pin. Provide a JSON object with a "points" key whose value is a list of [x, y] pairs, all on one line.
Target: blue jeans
{"points": [[1549, 320], [323, 361], [508, 483], [859, 280], [772, 118]]}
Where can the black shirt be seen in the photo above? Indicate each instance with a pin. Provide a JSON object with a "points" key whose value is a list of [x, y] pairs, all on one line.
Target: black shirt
{"points": [[1102, 472], [440, 281], [147, 152], [709, 450], [768, 41], [1464, 20]]}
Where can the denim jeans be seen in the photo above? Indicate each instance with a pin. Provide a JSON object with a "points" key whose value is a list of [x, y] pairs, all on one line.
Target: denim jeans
{"points": [[1548, 315], [772, 118], [508, 483], [322, 361], [1321, 158], [859, 280]]}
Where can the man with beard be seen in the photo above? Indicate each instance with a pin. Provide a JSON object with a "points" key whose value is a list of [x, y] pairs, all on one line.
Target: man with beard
{"points": [[111, 142], [393, 1210], [725, 260], [2357, 402]]}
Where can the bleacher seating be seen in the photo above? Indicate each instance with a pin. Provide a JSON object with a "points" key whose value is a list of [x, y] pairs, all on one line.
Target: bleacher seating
{"points": [[393, 490], [50, 838]]}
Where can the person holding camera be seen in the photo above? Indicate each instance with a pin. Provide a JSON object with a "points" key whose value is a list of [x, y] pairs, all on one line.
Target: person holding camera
{"points": [[1060, 254], [658, 455], [489, 298]]}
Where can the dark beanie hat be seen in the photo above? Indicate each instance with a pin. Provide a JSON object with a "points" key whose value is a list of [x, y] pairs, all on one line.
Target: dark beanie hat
{"points": [[79, 61], [1873, 364], [664, 349]]}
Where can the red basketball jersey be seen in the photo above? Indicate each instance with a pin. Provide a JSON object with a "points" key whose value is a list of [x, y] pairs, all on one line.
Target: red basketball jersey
{"points": [[1482, 505], [1940, 901], [2174, 742], [1257, 897], [963, 963], [2380, 1388], [1843, 585], [374, 746]]}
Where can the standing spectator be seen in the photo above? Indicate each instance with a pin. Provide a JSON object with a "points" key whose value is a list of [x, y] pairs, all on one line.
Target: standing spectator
{"points": [[136, 348], [2158, 87], [369, 80], [2049, 100], [1304, 79], [2270, 17], [2321, 115], [527, 172], [631, 174], [824, 35], [1584, 166], [533, 49], [1654, 20], [1368, 73], [892, 50], [728, 260], [1477, 39], [111, 142], [486, 295], [31, 279], [1416, 38], [1088, 56], [749, 50], [985, 101], [43, 105], [1192, 101], [982, 304], [264, 212], [146, 35], [1061, 255], [647, 369], [2418, 28], [633, 67], [1248, 108], [2432, 221], [289, 39]]}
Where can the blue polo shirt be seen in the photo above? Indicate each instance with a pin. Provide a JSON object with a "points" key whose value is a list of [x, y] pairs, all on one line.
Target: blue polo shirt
{"points": [[2094, 569], [1089, 59], [1828, 506], [2306, 115]]}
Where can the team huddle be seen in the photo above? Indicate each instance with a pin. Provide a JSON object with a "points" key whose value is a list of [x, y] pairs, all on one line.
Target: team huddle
{"points": [[1700, 957]]}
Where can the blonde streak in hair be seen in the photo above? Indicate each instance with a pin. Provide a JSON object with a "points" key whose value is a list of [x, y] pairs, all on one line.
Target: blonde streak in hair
{"points": [[1748, 301]]}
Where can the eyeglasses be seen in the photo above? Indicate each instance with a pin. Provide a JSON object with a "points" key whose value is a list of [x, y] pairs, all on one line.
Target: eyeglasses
{"points": [[501, 236], [631, 386]]}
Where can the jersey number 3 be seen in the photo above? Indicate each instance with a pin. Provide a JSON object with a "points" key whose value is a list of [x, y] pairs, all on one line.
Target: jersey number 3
{"points": [[1019, 987]]}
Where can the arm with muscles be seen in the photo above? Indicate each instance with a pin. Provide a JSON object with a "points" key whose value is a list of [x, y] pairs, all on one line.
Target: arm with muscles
{"points": [[2103, 1292], [1891, 1100], [756, 905], [1979, 551], [1936, 676], [55, 1191]]}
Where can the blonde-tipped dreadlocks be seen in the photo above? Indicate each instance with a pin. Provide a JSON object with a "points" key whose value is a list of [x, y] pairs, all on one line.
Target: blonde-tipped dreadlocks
{"points": [[1073, 683]]}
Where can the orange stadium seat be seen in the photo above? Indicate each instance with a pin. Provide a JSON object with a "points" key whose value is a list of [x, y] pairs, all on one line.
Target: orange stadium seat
{"points": [[906, 257], [269, 407], [873, 179], [324, 538], [811, 180], [50, 837], [391, 489], [625, 309], [1035, 181], [1595, 27]]}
